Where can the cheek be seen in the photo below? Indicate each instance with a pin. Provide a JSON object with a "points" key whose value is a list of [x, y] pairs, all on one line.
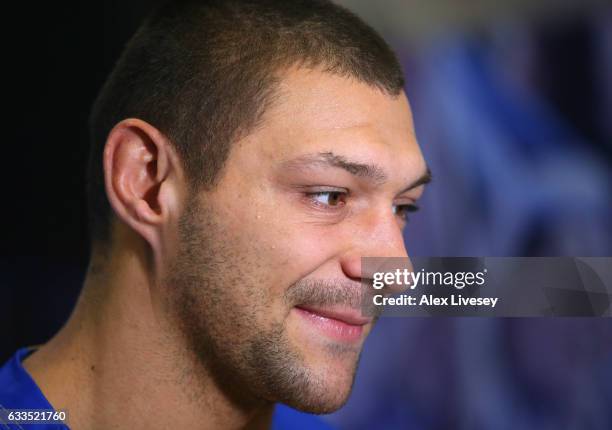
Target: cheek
{"points": [[293, 251], [278, 246]]}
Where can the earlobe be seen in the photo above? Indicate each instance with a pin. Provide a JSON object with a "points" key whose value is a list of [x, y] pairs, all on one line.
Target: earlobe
{"points": [[137, 162]]}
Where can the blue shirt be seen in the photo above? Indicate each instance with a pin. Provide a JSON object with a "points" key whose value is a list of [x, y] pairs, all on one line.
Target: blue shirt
{"points": [[19, 391]]}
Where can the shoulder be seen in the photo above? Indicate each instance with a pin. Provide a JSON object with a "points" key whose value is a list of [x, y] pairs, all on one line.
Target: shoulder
{"points": [[15, 384], [19, 391]]}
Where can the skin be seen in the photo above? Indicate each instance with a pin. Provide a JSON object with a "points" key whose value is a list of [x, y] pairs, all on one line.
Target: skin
{"points": [[191, 318]]}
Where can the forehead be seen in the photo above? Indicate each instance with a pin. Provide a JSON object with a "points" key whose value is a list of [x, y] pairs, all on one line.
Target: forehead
{"points": [[315, 111]]}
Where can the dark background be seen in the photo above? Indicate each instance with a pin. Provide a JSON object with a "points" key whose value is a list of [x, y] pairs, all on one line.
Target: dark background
{"points": [[56, 57]]}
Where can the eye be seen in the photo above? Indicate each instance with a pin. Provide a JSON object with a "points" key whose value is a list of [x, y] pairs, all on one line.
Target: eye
{"points": [[402, 211], [330, 199]]}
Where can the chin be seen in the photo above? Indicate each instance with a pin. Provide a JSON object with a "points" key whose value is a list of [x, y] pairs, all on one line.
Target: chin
{"points": [[325, 398], [328, 368]]}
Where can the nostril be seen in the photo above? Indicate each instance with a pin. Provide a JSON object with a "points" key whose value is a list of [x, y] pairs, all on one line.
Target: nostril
{"points": [[351, 266]]}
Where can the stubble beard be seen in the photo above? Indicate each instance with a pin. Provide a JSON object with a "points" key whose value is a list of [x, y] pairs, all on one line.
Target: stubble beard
{"points": [[225, 331]]}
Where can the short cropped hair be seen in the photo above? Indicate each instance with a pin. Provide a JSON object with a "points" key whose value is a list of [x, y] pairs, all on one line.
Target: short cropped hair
{"points": [[203, 73]]}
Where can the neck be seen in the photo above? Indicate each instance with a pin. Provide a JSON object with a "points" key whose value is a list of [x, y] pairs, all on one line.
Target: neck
{"points": [[119, 363]]}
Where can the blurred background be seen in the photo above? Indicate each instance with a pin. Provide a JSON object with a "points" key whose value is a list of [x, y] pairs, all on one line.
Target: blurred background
{"points": [[512, 102]]}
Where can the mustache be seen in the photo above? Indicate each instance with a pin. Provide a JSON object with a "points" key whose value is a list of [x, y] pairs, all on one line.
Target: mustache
{"points": [[329, 292]]}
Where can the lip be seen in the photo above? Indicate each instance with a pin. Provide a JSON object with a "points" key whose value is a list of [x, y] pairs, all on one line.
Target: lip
{"points": [[346, 315], [342, 324]]}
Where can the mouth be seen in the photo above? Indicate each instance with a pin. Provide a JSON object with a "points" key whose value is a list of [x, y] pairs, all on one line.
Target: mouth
{"points": [[339, 323]]}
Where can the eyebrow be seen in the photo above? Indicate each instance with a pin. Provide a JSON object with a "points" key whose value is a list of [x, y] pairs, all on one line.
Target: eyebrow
{"points": [[371, 171], [423, 180]]}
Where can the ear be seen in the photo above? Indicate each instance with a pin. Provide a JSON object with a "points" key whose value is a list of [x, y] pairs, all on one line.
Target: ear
{"points": [[143, 179]]}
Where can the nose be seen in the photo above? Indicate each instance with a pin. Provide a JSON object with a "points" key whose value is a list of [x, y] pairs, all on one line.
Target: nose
{"points": [[377, 245]]}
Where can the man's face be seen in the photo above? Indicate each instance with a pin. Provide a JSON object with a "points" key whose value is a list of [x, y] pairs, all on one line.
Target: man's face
{"points": [[265, 285]]}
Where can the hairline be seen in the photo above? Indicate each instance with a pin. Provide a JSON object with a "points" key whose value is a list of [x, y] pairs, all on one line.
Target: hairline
{"points": [[276, 91]]}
